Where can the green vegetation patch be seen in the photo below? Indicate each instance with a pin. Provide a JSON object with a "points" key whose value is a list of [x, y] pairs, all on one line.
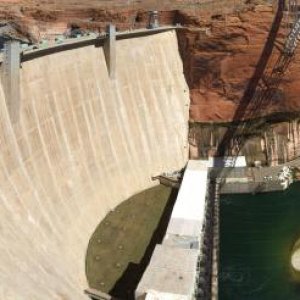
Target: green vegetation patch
{"points": [[119, 243]]}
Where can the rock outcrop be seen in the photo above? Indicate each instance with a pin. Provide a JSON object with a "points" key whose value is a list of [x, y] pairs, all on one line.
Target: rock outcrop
{"points": [[222, 60], [221, 47]]}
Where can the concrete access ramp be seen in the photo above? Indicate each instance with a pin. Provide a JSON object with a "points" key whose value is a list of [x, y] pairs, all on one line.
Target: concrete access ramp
{"points": [[81, 144]]}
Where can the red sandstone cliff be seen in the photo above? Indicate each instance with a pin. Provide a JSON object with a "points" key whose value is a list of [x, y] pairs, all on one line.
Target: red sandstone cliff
{"points": [[221, 51], [220, 62]]}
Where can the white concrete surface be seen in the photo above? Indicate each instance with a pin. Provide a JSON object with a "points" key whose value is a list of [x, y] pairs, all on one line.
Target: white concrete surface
{"points": [[230, 161], [82, 145], [189, 209], [171, 274], [153, 295]]}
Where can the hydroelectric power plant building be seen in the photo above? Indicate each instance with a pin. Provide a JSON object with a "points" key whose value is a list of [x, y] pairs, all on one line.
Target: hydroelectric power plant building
{"points": [[173, 269]]}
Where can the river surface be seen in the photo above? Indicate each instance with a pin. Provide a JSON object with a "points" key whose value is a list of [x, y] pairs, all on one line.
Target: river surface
{"points": [[257, 235]]}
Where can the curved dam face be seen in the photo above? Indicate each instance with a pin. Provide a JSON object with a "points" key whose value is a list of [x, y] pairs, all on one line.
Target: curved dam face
{"points": [[82, 144]]}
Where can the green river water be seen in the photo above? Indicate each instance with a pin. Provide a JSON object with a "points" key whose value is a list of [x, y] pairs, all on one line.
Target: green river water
{"points": [[257, 235]]}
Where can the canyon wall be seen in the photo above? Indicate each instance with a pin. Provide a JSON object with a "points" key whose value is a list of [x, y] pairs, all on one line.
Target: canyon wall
{"points": [[81, 145], [222, 44], [272, 141], [230, 55]]}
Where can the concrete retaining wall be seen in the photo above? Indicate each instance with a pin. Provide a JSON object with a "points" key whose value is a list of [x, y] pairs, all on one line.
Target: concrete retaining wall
{"points": [[83, 144], [251, 187]]}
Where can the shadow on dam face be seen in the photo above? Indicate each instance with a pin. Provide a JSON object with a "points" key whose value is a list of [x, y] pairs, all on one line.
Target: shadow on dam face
{"points": [[122, 245], [81, 146]]}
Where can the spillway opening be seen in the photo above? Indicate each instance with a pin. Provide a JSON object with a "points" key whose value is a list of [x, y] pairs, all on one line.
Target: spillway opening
{"points": [[121, 246]]}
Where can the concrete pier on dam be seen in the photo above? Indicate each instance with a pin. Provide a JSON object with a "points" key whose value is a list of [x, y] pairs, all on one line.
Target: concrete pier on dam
{"points": [[76, 145]]}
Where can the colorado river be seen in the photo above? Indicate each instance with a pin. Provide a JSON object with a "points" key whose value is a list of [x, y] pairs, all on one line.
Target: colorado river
{"points": [[257, 238]]}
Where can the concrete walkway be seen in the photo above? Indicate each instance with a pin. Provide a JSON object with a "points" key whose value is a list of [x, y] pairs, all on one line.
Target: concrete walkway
{"points": [[172, 271], [71, 43]]}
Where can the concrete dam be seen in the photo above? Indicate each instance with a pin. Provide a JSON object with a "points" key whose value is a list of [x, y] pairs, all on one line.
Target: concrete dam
{"points": [[76, 145]]}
